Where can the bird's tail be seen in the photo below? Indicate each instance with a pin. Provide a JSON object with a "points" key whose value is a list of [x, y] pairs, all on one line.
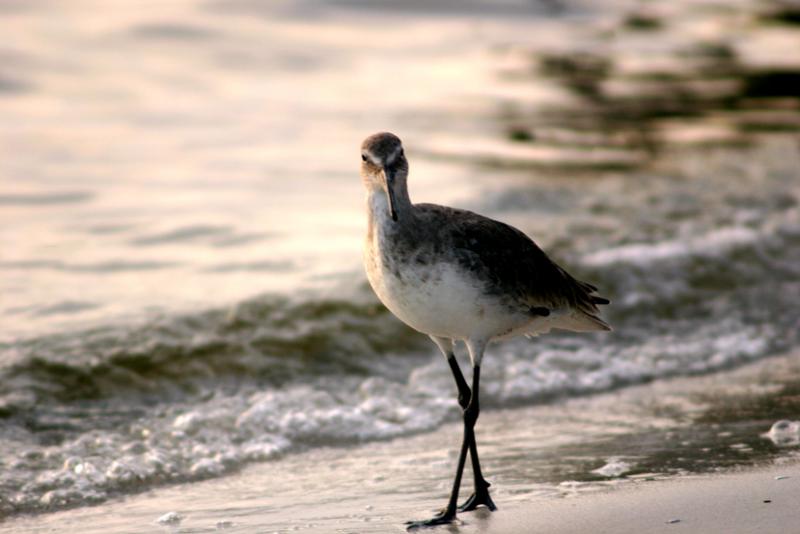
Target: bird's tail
{"points": [[586, 318], [580, 321]]}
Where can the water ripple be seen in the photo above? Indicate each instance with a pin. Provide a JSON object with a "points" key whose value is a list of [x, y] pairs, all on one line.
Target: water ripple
{"points": [[45, 199]]}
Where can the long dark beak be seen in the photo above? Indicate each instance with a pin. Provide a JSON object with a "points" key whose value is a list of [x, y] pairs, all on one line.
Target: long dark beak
{"points": [[389, 175]]}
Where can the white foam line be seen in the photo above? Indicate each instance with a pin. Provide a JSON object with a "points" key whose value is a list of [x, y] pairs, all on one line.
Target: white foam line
{"points": [[712, 243]]}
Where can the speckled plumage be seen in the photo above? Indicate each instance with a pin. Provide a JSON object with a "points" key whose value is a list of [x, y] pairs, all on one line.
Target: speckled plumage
{"points": [[456, 275], [512, 287]]}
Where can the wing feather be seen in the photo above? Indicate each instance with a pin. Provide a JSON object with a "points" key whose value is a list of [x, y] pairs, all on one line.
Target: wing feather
{"points": [[511, 263]]}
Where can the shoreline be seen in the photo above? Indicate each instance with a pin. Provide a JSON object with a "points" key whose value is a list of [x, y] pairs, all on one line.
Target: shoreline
{"points": [[624, 461]]}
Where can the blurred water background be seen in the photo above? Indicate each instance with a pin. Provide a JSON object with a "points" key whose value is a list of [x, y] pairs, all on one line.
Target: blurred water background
{"points": [[181, 220]]}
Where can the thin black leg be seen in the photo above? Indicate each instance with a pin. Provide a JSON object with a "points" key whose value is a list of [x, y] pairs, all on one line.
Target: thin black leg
{"points": [[468, 400], [481, 494], [464, 393], [449, 513]]}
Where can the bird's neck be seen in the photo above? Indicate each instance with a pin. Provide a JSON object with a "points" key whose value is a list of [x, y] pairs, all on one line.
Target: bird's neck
{"points": [[379, 214], [378, 206]]}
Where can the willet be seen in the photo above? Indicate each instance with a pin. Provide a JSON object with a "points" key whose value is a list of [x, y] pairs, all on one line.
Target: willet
{"points": [[458, 276]]}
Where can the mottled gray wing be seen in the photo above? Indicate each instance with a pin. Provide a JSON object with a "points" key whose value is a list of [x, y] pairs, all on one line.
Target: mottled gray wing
{"points": [[510, 262]]}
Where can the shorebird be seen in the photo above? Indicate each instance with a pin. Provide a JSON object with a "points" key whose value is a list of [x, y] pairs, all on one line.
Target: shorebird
{"points": [[459, 276]]}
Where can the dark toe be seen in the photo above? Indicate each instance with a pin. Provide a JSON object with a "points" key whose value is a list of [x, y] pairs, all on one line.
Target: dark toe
{"points": [[439, 519], [476, 500]]}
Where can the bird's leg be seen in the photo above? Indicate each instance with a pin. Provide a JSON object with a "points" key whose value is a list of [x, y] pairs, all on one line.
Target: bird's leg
{"points": [[471, 412], [448, 514], [468, 400], [464, 393], [481, 495]]}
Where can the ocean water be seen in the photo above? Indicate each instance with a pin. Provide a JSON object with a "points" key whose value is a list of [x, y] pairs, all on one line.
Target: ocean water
{"points": [[182, 217]]}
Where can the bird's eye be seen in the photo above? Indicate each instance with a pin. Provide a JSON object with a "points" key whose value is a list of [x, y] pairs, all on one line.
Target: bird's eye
{"points": [[363, 157]]}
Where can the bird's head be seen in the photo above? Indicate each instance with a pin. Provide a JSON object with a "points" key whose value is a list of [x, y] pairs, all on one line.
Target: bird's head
{"points": [[384, 167]]}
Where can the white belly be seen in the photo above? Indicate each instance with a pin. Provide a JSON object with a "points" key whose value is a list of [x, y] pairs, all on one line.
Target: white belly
{"points": [[442, 301]]}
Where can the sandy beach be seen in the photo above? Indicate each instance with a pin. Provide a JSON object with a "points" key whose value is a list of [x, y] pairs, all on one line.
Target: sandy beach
{"points": [[760, 501], [757, 501]]}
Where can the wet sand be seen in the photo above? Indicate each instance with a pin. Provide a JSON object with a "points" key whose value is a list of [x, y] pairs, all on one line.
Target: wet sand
{"points": [[763, 500]]}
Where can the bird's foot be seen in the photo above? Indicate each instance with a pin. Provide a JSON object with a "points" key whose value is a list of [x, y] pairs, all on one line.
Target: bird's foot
{"points": [[442, 518], [478, 498]]}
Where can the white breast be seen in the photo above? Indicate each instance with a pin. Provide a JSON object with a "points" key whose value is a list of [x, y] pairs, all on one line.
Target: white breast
{"points": [[436, 298], [439, 299]]}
